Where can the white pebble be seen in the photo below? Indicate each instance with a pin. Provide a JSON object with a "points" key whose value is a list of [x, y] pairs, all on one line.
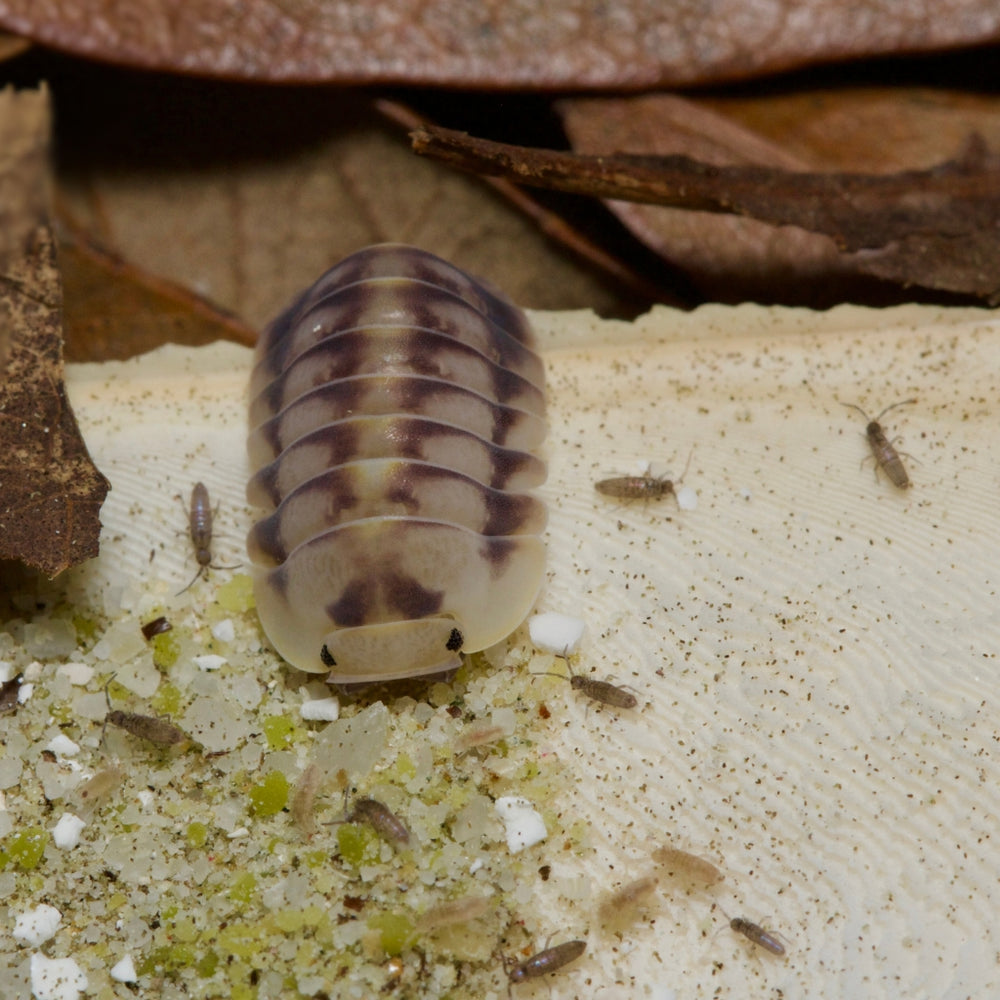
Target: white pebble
{"points": [[321, 710], [63, 746], [224, 631], [66, 833], [145, 798], [687, 498], [36, 926], [7, 671], [210, 661], [24, 692], [34, 670], [555, 633], [240, 831], [56, 978], [523, 824], [77, 673], [124, 971]]}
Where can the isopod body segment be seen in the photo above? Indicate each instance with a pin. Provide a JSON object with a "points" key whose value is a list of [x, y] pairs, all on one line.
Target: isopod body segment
{"points": [[395, 410], [755, 933]]}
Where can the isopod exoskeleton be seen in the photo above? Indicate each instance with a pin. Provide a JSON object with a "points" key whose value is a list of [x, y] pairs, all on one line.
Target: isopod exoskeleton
{"points": [[394, 409]]}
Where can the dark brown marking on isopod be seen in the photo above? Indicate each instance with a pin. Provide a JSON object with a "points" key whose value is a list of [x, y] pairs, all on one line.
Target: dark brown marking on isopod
{"points": [[155, 627], [409, 597], [418, 352], [147, 727], [8, 694], [200, 519], [455, 640], [373, 395], [602, 691], [381, 818], [393, 436], [353, 607], [883, 451], [544, 962], [380, 303], [401, 261]]}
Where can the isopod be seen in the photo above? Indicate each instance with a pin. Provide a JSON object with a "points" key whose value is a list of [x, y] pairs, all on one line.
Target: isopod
{"points": [[678, 862], [639, 487], [146, 727], [544, 962], [883, 451], [381, 818], [9, 692], [395, 408], [96, 790], [200, 517], [603, 691], [480, 735]]}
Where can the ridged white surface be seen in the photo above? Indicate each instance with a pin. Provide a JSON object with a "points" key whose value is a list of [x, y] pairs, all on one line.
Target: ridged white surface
{"points": [[815, 652]]}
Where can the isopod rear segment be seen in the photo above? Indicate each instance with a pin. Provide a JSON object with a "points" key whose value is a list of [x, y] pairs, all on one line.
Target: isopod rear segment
{"points": [[395, 410], [544, 962]]}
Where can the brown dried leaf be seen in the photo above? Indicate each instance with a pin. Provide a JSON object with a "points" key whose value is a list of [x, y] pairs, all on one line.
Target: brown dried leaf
{"points": [[114, 310], [50, 492], [876, 130], [249, 195], [514, 43], [914, 220]]}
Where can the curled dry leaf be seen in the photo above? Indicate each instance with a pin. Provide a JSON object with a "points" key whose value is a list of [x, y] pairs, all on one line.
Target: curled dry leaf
{"points": [[50, 491], [938, 227], [115, 310], [518, 43]]}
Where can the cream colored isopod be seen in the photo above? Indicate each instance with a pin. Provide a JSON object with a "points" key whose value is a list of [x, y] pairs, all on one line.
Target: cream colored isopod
{"points": [[395, 408]]}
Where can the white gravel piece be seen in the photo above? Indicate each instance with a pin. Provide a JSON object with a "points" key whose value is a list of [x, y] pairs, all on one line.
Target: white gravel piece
{"points": [[56, 978], [523, 824], [66, 833], [552, 632], [24, 692], [38, 925], [321, 710], [210, 661], [224, 631], [124, 971], [687, 498], [77, 673], [63, 746]]}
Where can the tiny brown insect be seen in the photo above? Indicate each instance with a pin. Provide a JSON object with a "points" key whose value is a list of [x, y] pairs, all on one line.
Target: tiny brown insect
{"points": [[146, 727], [603, 691], [883, 451], [155, 627], [544, 962], [755, 933], [454, 911], [200, 519], [378, 816], [621, 904], [639, 487], [678, 862]]}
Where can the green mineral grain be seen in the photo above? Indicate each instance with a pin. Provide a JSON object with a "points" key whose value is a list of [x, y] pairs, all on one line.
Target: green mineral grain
{"points": [[279, 730], [25, 849], [358, 844], [167, 700], [236, 595], [207, 964], [270, 796], [166, 649], [243, 888], [197, 834], [396, 929]]}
